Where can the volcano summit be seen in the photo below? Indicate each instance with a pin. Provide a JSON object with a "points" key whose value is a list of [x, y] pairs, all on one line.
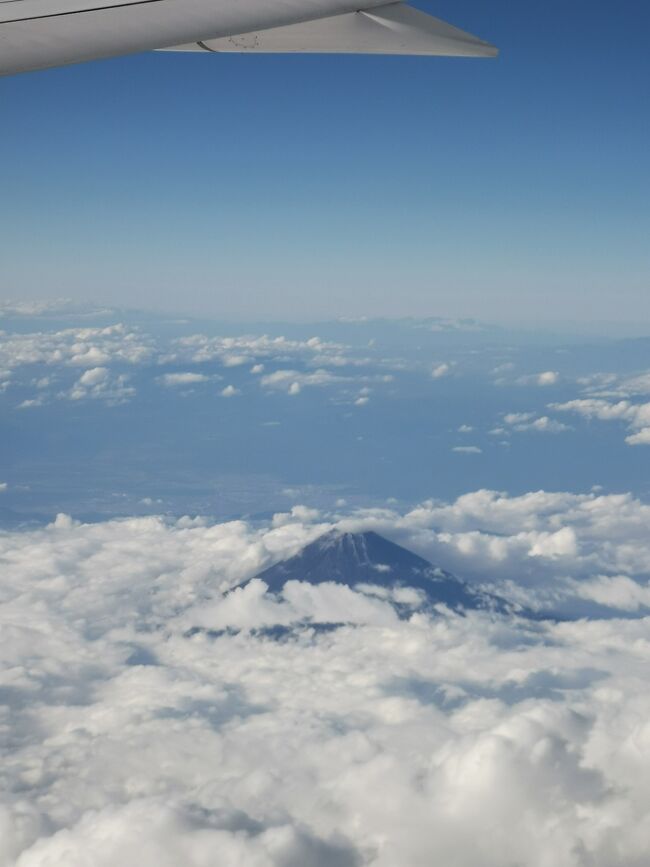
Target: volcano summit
{"points": [[367, 560]]}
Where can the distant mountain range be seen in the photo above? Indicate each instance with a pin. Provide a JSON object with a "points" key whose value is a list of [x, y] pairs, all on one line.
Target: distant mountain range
{"points": [[369, 559]]}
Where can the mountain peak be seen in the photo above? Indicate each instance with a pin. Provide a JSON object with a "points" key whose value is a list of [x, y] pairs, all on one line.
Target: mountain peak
{"points": [[366, 557]]}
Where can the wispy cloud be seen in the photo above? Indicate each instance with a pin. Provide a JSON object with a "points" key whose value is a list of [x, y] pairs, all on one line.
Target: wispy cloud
{"points": [[524, 422], [182, 379]]}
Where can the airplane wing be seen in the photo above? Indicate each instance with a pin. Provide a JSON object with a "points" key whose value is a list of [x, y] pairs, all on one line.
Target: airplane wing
{"points": [[36, 34], [391, 29]]}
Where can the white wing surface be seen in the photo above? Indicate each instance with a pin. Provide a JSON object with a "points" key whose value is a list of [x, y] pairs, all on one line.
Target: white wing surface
{"points": [[392, 29], [35, 34]]}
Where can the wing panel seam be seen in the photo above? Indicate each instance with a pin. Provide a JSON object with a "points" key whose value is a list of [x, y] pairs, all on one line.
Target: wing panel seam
{"points": [[79, 11]]}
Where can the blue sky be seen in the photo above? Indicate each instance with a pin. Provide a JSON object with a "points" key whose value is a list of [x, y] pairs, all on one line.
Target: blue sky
{"points": [[308, 187]]}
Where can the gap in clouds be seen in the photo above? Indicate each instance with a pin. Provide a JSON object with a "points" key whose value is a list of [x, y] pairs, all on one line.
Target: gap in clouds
{"points": [[122, 413]]}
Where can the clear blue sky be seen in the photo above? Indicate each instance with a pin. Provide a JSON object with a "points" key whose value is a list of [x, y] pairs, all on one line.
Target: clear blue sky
{"points": [[317, 186]]}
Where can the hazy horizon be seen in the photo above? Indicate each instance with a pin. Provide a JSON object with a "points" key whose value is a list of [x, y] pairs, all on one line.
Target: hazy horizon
{"points": [[59, 305]]}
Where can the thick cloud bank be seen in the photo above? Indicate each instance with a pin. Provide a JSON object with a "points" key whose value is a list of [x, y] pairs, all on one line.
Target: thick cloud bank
{"points": [[149, 721]]}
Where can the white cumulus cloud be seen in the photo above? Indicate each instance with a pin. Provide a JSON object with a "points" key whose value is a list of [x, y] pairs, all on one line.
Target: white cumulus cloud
{"points": [[441, 370], [548, 377], [636, 415], [99, 384], [293, 381], [77, 347], [641, 438]]}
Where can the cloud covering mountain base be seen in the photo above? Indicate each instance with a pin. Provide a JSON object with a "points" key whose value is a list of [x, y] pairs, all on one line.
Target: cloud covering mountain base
{"points": [[149, 720]]}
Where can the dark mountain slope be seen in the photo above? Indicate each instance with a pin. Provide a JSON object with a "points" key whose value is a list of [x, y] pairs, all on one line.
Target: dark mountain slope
{"points": [[368, 558]]}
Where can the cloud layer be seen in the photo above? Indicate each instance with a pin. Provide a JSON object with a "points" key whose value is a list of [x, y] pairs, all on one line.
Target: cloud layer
{"points": [[147, 720]]}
